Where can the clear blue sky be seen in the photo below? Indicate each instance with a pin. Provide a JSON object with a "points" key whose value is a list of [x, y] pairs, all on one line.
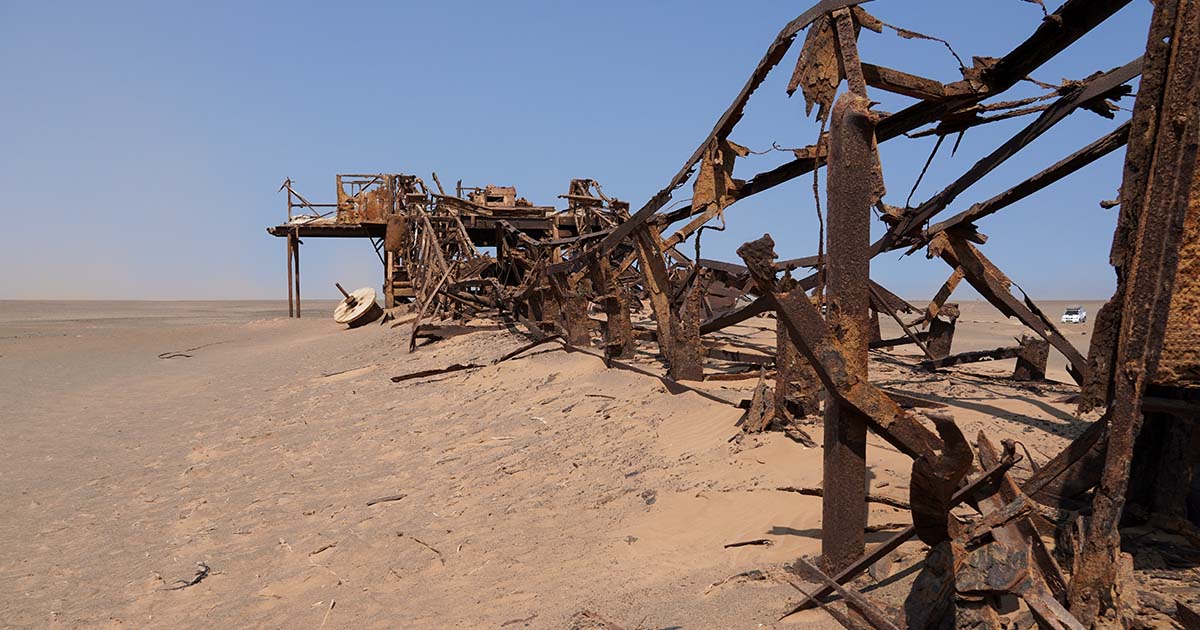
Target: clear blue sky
{"points": [[143, 142]]}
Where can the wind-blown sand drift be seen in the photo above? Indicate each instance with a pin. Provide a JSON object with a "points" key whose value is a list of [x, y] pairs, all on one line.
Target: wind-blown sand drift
{"points": [[513, 495]]}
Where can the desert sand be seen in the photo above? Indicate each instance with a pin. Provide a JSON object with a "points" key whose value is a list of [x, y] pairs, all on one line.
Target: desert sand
{"points": [[138, 439]]}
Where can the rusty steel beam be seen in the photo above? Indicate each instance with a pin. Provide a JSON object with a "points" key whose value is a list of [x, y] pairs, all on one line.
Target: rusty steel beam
{"points": [[736, 316], [847, 47], [966, 492], [939, 299], [885, 301], [1072, 20], [1092, 152], [878, 619], [725, 124], [572, 308], [997, 466], [882, 296], [1160, 192], [993, 285], [911, 222], [1008, 491], [902, 83], [682, 356], [880, 344], [815, 341], [974, 356], [1058, 31], [658, 286]]}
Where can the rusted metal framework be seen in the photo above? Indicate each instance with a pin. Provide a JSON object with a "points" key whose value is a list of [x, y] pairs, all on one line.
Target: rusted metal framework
{"points": [[551, 269], [421, 235]]}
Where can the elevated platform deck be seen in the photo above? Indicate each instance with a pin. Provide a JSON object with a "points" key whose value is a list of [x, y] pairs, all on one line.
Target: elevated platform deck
{"points": [[481, 229]]}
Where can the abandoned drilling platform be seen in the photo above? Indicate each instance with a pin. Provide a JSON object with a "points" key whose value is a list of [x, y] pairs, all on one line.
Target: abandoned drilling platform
{"points": [[1051, 539]]}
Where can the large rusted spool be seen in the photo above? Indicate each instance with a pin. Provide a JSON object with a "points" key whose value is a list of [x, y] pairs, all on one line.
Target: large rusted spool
{"points": [[358, 308]]}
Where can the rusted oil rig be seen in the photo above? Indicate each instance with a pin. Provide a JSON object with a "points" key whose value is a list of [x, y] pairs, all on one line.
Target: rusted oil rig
{"points": [[1137, 462], [418, 233]]}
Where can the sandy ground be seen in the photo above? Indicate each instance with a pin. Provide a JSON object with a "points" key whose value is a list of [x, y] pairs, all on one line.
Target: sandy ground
{"points": [[531, 490]]}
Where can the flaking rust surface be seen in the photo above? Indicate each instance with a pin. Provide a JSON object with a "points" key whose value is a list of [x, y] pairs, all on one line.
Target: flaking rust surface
{"points": [[817, 72], [1180, 360]]}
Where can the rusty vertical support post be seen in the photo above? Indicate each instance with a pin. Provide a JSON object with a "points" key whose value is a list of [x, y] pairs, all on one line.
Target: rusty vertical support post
{"points": [[501, 254], [556, 252], [941, 330], [389, 291], [296, 264], [536, 304], [574, 311], [1160, 196], [688, 362], [291, 298], [548, 308], [797, 387], [618, 329], [1162, 474], [854, 184], [393, 243], [1032, 359], [658, 286]]}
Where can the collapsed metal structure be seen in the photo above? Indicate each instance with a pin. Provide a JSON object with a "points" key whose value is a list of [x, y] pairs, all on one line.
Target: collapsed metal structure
{"points": [[550, 267]]}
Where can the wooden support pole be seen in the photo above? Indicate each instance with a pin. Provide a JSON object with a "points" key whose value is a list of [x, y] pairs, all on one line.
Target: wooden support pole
{"points": [[854, 184]]}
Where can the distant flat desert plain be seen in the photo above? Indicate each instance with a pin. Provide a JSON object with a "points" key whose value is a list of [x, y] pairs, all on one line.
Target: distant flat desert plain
{"points": [[216, 464]]}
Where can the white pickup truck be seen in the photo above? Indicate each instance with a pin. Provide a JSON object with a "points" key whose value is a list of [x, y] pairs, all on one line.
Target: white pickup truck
{"points": [[1074, 315]]}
